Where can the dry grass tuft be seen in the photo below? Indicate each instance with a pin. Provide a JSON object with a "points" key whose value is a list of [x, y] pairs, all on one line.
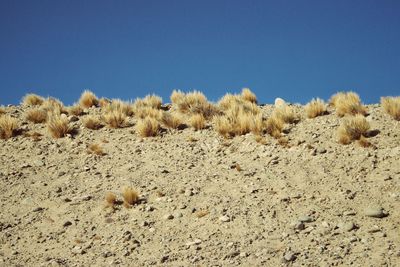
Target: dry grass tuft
{"points": [[119, 106], [75, 110], [193, 103], [363, 142], [2, 111], [115, 119], [347, 103], [8, 126], [58, 126], [149, 112], [88, 99], [283, 141], [353, 128], [147, 127], [36, 115], [92, 122], [130, 195], [171, 120], [197, 121], [148, 106], [95, 149], [285, 113], [248, 95], [274, 126], [103, 102], [260, 139], [111, 199], [391, 105], [54, 106], [315, 108], [32, 100], [177, 96]]}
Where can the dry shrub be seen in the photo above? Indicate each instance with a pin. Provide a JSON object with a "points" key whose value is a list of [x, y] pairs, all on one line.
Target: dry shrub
{"points": [[35, 136], [177, 96], [148, 112], [238, 122], [111, 199], [32, 100], [193, 103], [130, 195], [58, 126], [103, 102], [363, 142], [223, 126], [92, 122], [2, 111], [88, 99], [8, 126], [197, 121], [75, 110], [353, 128], [95, 149], [171, 120], [285, 113], [147, 127], [260, 139], [54, 106], [391, 105], [36, 115], [347, 103], [315, 108], [283, 141], [115, 119], [120, 106], [148, 106], [274, 126], [248, 95]]}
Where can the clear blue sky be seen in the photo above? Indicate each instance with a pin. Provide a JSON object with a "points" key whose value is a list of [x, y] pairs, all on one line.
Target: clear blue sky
{"points": [[126, 49]]}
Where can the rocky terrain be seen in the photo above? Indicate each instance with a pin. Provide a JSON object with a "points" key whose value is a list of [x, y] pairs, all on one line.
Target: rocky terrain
{"points": [[204, 200]]}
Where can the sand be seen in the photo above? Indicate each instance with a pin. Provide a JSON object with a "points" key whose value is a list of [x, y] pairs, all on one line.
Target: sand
{"points": [[204, 200]]}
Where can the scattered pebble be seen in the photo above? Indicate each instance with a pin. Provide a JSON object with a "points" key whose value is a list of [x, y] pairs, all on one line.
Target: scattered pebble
{"points": [[168, 217], [375, 212], [289, 256], [224, 218]]}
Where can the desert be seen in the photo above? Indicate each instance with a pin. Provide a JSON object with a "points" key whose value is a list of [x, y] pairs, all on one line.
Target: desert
{"points": [[190, 182]]}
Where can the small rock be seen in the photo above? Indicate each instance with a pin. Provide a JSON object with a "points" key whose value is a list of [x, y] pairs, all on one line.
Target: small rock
{"points": [[289, 256], [306, 218], [224, 218], [321, 150], [349, 213], [188, 192], [73, 118], [149, 208], [38, 163], [347, 226], [298, 225], [375, 212], [178, 214], [168, 217], [38, 209], [67, 223]]}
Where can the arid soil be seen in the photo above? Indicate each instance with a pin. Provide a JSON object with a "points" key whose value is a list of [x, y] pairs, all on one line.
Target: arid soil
{"points": [[204, 200]]}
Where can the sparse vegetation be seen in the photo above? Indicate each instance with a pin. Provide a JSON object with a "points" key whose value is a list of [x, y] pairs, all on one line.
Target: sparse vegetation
{"points": [[32, 100], [248, 95], [88, 99], [54, 106], [95, 149], [285, 113], [75, 110], [197, 121], [171, 120], [118, 105], [274, 126], [347, 103], [353, 128], [35, 136], [2, 111], [115, 118], [193, 103], [111, 199], [315, 108], [58, 126], [147, 127], [92, 122], [130, 195], [391, 105], [36, 115], [103, 102], [8, 126]]}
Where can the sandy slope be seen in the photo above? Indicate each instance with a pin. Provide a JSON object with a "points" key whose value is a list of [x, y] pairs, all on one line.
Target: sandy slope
{"points": [[53, 211]]}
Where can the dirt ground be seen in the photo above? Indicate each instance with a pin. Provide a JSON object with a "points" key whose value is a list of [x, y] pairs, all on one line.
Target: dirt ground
{"points": [[204, 200]]}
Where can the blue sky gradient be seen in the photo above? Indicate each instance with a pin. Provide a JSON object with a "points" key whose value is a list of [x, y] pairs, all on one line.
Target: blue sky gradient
{"points": [[126, 49]]}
